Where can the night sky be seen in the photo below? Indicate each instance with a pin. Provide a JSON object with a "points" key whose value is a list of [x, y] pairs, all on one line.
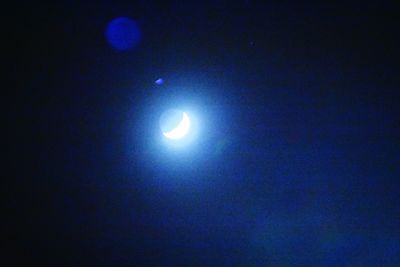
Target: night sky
{"points": [[296, 160]]}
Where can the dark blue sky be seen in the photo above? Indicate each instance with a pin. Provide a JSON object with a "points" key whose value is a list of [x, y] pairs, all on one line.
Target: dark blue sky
{"points": [[297, 158]]}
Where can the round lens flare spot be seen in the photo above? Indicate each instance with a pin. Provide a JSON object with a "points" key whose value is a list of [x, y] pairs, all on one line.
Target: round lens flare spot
{"points": [[123, 34], [175, 124]]}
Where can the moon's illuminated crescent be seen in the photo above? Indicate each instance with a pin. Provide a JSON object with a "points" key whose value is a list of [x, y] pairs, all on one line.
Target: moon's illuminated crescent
{"points": [[181, 130]]}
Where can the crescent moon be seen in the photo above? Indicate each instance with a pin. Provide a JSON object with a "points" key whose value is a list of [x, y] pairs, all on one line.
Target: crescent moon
{"points": [[181, 130]]}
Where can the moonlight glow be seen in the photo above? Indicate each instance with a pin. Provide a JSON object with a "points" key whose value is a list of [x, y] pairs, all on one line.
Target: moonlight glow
{"points": [[180, 130]]}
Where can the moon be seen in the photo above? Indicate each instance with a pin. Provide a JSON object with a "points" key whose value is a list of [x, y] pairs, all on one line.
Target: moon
{"points": [[180, 130]]}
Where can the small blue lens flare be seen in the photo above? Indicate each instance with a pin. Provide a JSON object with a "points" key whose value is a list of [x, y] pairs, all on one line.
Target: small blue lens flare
{"points": [[159, 81], [123, 33]]}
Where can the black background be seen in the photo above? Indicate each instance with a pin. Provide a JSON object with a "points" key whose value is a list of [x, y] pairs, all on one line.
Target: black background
{"points": [[297, 163]]}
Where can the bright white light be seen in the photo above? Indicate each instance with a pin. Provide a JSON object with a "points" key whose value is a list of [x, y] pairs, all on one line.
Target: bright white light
{"points": [[180, 130]]}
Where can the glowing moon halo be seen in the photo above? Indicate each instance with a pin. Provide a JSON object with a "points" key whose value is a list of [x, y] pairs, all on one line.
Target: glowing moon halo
{"points": [[180, 130]]}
